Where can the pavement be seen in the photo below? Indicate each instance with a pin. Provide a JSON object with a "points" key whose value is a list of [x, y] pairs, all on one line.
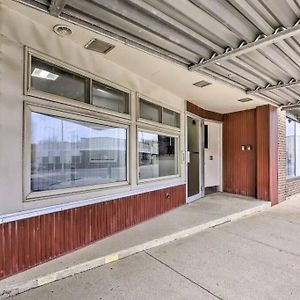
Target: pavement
{"points": [[256, 256]]}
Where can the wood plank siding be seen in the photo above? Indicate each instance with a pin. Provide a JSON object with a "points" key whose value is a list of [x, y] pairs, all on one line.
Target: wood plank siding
{"points": [[267, 153], [239, 175], [251, 173], [205, 114], [29, 242]]}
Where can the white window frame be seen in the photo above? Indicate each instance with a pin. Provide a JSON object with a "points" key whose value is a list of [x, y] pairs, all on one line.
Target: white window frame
{"points": [[153, 123], [43, 102], [29, 107], [157, 128], [28, 91], [159, 132], [293, 177]]}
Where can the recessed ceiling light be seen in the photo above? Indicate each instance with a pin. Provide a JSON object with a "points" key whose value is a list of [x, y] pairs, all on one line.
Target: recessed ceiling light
{"points": [[245, 99], [99, 46], [62, 30], [44, 74], [202, 83]]}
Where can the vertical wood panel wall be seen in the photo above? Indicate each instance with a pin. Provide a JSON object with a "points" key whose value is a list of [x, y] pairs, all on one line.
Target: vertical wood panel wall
{"points": [[239, 175], [251, 173], [263, 140], [29, 242], [267, 153]]}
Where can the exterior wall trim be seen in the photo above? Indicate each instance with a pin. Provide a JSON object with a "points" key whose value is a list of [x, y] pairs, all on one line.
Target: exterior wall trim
{"points": [[6, 218], [205, 114], [291, 179]]}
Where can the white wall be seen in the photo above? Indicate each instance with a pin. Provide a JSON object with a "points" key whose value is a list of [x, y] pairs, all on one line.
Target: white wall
{"points": [[18, 31]]}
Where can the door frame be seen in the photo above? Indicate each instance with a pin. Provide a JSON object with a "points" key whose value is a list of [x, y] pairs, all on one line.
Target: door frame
{"points": [[201, 157], [220, 123]]}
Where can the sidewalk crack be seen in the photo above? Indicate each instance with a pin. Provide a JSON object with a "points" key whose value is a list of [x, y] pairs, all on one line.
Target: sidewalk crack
{"points": [[260, 242], [182, 275]]}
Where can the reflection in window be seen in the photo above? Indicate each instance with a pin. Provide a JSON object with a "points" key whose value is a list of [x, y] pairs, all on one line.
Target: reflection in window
{"points": [[68, 153], [54, 80], [110, 98], [158, 155], [290, 148], [150, 111], [171, 118], [156, 113]]}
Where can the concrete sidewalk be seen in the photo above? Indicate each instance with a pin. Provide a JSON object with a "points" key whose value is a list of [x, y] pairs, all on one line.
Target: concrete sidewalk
{"points": [[180, 223]]}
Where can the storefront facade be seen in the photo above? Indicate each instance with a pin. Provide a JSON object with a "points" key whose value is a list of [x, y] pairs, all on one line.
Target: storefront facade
{"points": [[90, 147]]}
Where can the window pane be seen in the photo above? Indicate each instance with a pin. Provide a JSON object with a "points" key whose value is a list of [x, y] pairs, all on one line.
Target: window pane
{"points": [[51, 79], [205, 136], [110, 98], [150, 111], [290, 148], [157, 155], [171, 118], [68, 153], [297, 149]]}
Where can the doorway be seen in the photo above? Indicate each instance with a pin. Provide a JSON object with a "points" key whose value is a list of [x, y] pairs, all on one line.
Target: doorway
{"points": [[204, 163], [212, 157], [194, 159]]}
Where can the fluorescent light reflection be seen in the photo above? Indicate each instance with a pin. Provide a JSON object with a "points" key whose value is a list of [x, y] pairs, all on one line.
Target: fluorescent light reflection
{"points": [[44, 74]]}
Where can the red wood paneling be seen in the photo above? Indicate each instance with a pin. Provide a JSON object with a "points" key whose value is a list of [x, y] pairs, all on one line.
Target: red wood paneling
{"points": [[262, 132], [273, 146], [29, 242], [267, 153], [239, 167], [206, 114]]}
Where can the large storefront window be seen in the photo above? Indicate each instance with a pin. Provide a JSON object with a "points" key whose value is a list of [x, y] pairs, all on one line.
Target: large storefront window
{"points": [[158, 155], [69, 153], [79, 133], [292, 148]]}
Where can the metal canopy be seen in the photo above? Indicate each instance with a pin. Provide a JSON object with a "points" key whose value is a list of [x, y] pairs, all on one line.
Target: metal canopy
{"points": [[251, 44]]}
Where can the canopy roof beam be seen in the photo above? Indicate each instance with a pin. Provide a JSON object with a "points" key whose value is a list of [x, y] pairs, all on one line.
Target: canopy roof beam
{"points": [[56, 7], [271, 87], [261, 40]]}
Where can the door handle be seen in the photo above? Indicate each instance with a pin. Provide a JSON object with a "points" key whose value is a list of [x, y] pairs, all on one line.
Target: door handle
{"points": [[187, 157]]}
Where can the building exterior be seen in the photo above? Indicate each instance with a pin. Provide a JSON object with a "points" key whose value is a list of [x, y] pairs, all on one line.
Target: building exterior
{"points": [[93, 143]]}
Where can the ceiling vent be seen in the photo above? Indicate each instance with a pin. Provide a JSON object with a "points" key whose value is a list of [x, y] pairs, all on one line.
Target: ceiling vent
{"points": [[99, 46], [245, 100], [202, 83], [62, 30]]}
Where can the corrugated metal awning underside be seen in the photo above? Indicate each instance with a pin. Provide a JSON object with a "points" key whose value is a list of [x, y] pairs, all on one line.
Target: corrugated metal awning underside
{"points": [[251, 44]]}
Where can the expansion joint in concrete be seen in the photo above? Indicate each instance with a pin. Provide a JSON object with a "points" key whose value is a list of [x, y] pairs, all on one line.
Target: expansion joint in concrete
{"points": [[182, 275]]}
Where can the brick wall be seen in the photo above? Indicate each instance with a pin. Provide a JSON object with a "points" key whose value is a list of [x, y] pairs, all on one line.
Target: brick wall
{"points": [[292, 187], [281, 156]]}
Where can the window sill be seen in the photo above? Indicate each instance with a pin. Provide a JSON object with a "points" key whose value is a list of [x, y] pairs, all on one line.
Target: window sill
{"points": [[294, 178], [34, 196]]}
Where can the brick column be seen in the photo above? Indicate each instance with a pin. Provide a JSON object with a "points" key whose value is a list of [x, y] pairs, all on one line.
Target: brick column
{"points": [[281, 155]]}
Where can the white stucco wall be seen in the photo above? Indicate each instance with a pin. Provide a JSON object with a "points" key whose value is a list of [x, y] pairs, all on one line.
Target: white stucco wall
{"points": [[18, 31]]}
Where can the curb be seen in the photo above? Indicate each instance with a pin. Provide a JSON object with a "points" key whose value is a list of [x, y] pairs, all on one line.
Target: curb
{"points": [[9, 291]]}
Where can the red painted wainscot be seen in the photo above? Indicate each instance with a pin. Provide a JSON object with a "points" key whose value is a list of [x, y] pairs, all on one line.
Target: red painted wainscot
{"points": [[29, 242]]}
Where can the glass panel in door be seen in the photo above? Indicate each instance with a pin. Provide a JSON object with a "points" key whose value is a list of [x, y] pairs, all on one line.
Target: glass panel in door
{"points": [[193, 146]]}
